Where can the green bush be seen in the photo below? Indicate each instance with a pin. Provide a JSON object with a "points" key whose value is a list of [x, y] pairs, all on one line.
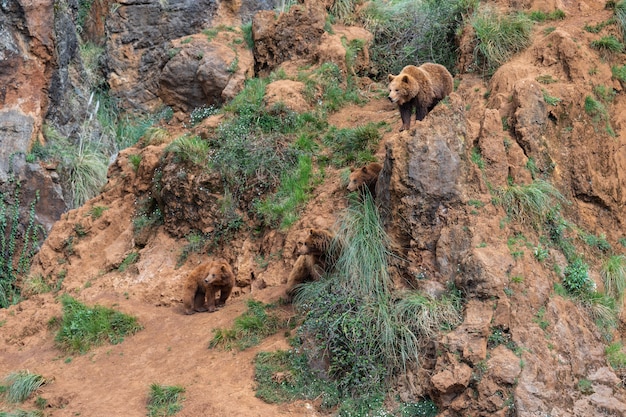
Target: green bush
{"points": [[353, 145], [608, 44], [576, 278], [498, 37], [620, 18], [164, 400], [83, 328], [191, 149]]}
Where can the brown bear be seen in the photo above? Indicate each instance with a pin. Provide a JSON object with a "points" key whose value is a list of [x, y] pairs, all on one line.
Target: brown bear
{"points": [[202, 284], [315, 255], [420, 88], [365, 177]]}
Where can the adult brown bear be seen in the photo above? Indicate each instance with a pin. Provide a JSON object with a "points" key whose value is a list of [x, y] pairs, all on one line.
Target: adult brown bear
{"points": [[202, 284], [419, 88]]}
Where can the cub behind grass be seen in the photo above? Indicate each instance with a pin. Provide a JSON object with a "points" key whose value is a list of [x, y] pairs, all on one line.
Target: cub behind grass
{"points": [[419, 88], [202, 284], [315, 256], [365, 177]]}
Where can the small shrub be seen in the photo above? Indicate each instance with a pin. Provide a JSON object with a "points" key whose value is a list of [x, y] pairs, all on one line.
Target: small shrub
{"points": [[424, 408], [164, 400], [585, 387], [620, 17], [18, 386], [83, 327], [598, 242], [477, 158], [135, 160], [619, 73], [576, 277], [540, 319], [355, 145], [200, 113]]}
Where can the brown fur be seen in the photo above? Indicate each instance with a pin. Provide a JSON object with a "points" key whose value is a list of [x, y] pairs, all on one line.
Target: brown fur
{"points": [[202, 284], [313, 260], [419, 88], [366, 176]]}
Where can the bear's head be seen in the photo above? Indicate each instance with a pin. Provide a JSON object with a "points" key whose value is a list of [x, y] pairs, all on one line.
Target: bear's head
{"points": [[365, 176], [218, 274], [401, 88], [316, 243]]}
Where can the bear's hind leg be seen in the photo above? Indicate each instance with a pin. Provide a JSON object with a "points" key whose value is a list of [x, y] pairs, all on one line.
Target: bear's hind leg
{"points": [[224, 294]]}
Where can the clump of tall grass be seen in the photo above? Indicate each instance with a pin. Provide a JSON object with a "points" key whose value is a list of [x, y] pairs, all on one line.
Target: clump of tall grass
{"points": [[189, 148], [353, 145], [531, 203], [164, 400], [368, 331], [498, 37], [608, 45], [18, 386], [613, 274], [82, 328]]}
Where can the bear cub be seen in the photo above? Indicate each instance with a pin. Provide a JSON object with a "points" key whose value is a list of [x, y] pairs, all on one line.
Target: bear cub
{"points": [[314, 258], [419, 88], [202, 284], [365, 177]]}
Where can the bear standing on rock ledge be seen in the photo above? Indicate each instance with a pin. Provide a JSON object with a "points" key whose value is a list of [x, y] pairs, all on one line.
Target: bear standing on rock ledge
{"points": [[420, 88]]}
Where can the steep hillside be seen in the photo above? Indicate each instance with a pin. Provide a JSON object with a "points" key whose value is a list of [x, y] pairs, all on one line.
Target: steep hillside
{"points": [[523, 346]]}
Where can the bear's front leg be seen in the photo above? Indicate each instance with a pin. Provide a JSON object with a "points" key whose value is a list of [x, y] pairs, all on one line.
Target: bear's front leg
{"points": [[224, 294], [405, 115], [210, 299], [198, 302]]}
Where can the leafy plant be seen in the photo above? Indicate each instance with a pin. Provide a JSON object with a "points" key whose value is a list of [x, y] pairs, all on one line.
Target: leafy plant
{"points": [[19, 240], [498, 37], [96, 211], [164, 400], [18, 386], [585, 386], [552, 101], [83, 328], [477, 158], [249, 328], [135, 160], [200, 113], [576, 277]]}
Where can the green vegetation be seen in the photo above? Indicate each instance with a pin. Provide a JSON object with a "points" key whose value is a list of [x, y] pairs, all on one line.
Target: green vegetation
{"points": [[552, 101], [19, 241], [367, 331], [200, 113], [96, 211], [18, 386], [615, 355], [82, 328], [355, 145], [164, 400], [539, 16], [576, 277], [613, 274], [409, 32], [249, 328], [529, 203], [620, 18], [130, 259], [189, 149], [499, 37], [608, 44]]}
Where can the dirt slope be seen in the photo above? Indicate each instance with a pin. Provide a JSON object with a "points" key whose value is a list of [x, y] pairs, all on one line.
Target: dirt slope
{"points": [[172, 349]]}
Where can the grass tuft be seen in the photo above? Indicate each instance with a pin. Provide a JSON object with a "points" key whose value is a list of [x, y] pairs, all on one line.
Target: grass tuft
{"points": [[613, 274], [18, 386], [531, 203], [164, 400], [83, 328]]}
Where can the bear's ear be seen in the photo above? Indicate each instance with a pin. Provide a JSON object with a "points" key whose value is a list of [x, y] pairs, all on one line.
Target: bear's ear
{"points": [[223, 268], [391, 77], [405, 79], [311, 232], [364, 169]]}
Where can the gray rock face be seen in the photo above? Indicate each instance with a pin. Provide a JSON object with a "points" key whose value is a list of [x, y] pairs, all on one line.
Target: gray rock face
{"points": [[16, 129]]}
